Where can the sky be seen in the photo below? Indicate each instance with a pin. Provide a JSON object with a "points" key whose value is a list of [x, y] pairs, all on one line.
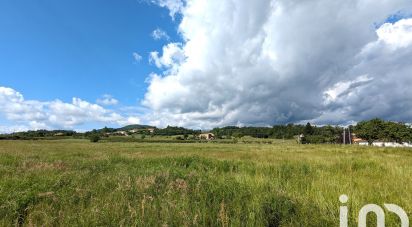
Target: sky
{"points": [[80, 65]]}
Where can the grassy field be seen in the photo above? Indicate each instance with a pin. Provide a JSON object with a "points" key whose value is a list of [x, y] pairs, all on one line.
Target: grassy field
{"points": [[78, 183]]}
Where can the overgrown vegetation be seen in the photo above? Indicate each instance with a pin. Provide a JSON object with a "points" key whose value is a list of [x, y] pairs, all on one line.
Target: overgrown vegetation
{"points": [[78, 183]]}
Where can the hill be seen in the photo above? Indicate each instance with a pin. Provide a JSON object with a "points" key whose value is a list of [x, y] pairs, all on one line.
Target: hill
{"points": [[131, 127]]}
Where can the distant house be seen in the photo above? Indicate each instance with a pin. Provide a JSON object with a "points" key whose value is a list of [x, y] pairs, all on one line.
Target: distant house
{"points": [[407, 144], [137, 130], [358, 141], [59, 134], [121, 133], [361, 142], [207, 136], [390, 144], [301, 137]]}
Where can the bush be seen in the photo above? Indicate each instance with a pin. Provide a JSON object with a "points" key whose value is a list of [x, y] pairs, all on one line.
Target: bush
{"points": [[94, 138]]}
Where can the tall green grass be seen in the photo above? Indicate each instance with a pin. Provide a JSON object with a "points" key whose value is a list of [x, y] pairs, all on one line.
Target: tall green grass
{"points": [[78, 183]]}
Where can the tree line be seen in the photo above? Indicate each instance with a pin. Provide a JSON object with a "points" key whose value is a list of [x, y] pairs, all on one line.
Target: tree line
{"points": [[371, 130], [385, 131], [33, 134]]}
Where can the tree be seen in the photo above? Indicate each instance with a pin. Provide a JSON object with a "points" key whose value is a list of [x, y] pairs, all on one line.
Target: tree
{"points": [[377, 129], [370, 130], [105, 130], [237, 134], [309, 129], [174, 131], [94, 138], [397, 132]]}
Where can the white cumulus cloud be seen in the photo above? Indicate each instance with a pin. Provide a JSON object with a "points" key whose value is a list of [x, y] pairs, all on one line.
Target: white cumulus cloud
{"points": [[56, 114], [398, 34], [173, 55], [273, 61]]}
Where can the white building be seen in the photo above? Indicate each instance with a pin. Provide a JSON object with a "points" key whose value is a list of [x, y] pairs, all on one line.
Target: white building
{"points": [[384, 144], [390, 144]]}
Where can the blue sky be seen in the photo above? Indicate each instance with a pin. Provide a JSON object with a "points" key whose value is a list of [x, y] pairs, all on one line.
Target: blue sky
{"points": [[75, 48], [91, 63]]}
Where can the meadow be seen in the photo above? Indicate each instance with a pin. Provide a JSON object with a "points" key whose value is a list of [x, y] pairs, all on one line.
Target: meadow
{"points": [[281, 183]]}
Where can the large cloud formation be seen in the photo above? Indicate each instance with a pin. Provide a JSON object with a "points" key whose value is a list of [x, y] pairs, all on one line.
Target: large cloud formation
{"points": [[276, 61]]}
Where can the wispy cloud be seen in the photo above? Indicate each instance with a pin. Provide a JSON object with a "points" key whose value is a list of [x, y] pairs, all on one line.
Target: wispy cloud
{"points": [[107, 100], [174, 6], [159, 34], [137, 57]]}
